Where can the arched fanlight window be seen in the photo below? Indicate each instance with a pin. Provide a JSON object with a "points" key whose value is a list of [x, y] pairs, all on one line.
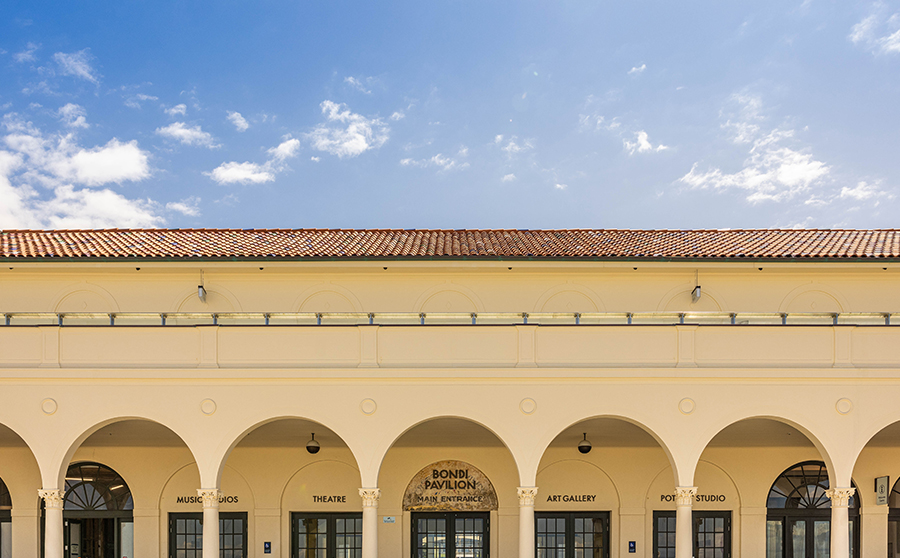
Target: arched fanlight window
{"points": [[802, 487], [5, 498], [95, 487], [894, 501]]}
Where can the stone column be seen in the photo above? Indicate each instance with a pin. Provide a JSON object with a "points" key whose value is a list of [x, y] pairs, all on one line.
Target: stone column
{"points": [[527, 495], [840, 521], [210, 497], [370, 498], [684, 521], [53, 522]]}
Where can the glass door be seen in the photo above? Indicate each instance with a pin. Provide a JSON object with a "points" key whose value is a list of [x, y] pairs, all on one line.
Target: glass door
{"points": [[186, 535], [450, 535], [572, 535], [329, 535], [711, 534], [804, 537]]}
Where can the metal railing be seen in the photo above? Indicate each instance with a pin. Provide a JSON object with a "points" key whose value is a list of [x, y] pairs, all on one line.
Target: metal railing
{"points": [[444, 318]]}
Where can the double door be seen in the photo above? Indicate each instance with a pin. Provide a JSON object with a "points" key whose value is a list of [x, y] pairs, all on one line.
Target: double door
{"points": [[98, 537], [186, 535], [451, 535], [805, 536], [711, 534], [571, 534], [326, 535]]}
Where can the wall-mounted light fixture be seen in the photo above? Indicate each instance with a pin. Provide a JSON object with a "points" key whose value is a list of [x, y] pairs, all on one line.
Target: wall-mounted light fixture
{"points": [[695, 294], [313, 446], [584, 446], [201, 292]]}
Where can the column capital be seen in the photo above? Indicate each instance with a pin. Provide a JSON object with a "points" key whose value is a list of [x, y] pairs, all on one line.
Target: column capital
{"points": [[53, 498], [684, 495], [370, 497], [210, 497], [840, 497], [527, 494]]}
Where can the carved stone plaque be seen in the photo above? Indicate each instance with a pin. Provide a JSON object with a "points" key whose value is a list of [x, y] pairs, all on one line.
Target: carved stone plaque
{"points": [[450, 486]]}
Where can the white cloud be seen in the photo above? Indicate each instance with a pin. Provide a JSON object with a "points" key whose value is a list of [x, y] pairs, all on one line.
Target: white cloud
{"points": [[508, 177], [187, 206], [398, 115], [135, 100], [637, 70], [239, 121], [176, 110], [357, 84], [285, 150], [440, 161], [187, 135], [878, 32], [347, 134], [27, 55], [863, 191], [73, 116], [241, 173], [315, 159], [254, 173], [642, 144], [77, 64], [773, 171], [562, 186], [513, 146], [39, 174]]}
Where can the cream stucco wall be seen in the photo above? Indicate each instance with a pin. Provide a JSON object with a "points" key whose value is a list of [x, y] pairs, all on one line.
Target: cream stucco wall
{"points": [[636, 376]]}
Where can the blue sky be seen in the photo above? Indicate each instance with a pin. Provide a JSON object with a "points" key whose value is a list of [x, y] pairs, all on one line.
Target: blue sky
{"points": [[449, 114]]}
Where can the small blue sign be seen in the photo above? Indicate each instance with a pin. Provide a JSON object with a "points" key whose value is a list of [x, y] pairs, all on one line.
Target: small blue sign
{"points": [[632, 547], [267, 548]]}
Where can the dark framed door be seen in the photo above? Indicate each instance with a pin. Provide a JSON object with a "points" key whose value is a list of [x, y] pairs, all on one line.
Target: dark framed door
{"points": [[97, 536], [186, 535], [451, 534], [805, 534], [326, 535], [5, 534], [711, 534], [571, 534]]}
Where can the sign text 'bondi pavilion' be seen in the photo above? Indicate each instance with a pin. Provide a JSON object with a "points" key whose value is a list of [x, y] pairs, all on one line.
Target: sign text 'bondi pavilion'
{"points": [[450, 485]]}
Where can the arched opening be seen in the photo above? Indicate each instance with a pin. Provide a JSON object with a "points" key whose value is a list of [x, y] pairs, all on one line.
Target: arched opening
{"points": [[590, 479], [122, 464], [446, 479], [19, 481], [798, 517], [748, 455], [98, 512], [5, 521], [309, 492], [877, 466]]}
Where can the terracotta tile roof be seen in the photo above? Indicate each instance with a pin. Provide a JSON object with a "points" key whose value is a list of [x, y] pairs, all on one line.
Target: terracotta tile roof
{"points": [[239, 244]]}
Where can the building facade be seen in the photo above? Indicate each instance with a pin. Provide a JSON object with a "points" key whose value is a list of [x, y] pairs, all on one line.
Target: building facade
{"points": [[509, 394]]}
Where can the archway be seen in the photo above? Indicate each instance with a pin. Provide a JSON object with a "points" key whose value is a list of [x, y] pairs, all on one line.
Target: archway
{"points": [[880, 458], [293, 483], [462, 475], [98, 512], [5, 521], [752, 453], [592, 480], [798, 518], [19, 481], [129, 456]]}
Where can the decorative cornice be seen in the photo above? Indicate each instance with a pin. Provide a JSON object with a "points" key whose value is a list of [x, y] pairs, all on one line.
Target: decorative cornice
{"points": [[210, 497], [840, 497], [684, 495], [54, 498], [527, 494], [370, 497]]}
